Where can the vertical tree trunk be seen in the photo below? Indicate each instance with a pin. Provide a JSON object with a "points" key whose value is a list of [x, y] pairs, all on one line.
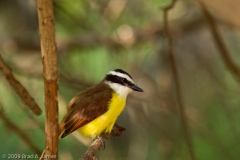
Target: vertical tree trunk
{"points": [[50, 72]]}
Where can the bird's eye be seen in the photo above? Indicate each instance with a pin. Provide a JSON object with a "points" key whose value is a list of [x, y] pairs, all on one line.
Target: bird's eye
{"points": [[124, 80]]}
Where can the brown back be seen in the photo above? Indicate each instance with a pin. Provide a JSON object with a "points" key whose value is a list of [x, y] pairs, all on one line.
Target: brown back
{"points": [[85, 107]]}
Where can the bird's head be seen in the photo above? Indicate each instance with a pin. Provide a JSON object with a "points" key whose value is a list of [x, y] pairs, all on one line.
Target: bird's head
{"points": [[121, 82]]}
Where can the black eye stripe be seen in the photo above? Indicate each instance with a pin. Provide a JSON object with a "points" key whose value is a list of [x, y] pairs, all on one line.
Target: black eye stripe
{"points": [[117, 79]]}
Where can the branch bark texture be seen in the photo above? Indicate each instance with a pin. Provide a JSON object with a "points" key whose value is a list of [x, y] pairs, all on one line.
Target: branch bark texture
{"points": [[50, 72], [97, 145], [19, 89]]}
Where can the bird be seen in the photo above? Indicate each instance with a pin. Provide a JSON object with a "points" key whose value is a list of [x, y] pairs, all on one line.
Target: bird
{"points": [[95, 110]]}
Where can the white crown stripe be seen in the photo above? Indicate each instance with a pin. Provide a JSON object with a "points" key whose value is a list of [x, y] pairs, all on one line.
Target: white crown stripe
{"points": [[121, 75]]}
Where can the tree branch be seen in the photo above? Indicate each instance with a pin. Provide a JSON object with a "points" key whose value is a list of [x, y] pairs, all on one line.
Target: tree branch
{"points": [[22, 135], [19, 89], [177, 84], [219, 42], [50, 72], [97, 144]]}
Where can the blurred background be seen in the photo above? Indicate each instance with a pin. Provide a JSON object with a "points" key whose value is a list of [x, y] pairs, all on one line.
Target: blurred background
{"points": [[94, 37]]}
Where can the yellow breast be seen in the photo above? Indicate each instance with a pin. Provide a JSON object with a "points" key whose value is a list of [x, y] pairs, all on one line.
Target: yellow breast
{"points": [[105, 122]]}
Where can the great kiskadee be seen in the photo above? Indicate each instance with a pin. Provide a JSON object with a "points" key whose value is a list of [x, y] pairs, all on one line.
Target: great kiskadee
{"points": [[95, 110]]}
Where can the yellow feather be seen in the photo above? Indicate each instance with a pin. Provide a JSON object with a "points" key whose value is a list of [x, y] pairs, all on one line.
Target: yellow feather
{"points": [[104, 123]]}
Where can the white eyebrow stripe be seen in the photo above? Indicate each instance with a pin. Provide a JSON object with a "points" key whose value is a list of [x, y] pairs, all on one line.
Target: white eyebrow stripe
{"points": [[121, 75]]}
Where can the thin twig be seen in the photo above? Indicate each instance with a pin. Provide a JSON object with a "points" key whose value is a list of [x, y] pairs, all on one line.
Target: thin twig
{"points": [[19, 89], [97, 144], [23, 136], [50, 72], [178, 86], [233, 68]]}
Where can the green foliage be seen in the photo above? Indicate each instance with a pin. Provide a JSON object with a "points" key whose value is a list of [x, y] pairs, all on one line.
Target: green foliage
{"points": [[93, 39]]}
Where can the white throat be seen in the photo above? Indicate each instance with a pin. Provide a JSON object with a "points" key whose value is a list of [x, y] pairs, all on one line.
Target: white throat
{"points": [[121, 90]]}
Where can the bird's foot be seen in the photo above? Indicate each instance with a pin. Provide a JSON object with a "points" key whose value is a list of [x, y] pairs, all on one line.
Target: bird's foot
{"points": [[117, 130]]}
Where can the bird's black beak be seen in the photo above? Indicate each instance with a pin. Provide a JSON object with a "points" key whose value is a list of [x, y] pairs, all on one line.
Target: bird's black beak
{"points": [[135, 87]]}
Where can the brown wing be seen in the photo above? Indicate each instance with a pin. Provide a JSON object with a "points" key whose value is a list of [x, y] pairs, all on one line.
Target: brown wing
{"points": [[85, 107]]}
